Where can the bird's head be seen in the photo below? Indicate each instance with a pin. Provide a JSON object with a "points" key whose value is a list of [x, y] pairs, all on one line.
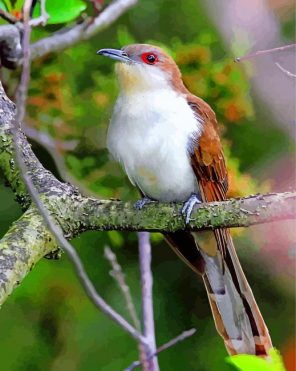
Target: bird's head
{"points": [[143, 67]]}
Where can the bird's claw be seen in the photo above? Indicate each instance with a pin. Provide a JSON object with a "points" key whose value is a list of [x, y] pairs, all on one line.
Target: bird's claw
{"points": [[141, 203], [188, 206]]}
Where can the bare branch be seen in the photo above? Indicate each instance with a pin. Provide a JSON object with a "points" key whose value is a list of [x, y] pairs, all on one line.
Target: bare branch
{"points": [[55, 147], [149, 363], [44, 16], [47, 141], [69, 36], [184, 335], [119, 277], [177, 339], [74, 258], [21, 94], [288, 73], [10, 45], [48, 220], [24, 244], [86, 213], [264, 52], [8, 17]]}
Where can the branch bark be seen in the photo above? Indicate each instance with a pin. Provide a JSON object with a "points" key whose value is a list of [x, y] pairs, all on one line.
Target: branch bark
{"points": [[26, 242], [75, 213], [10, 35], [70, 36], [10, 46], [150, 363]]}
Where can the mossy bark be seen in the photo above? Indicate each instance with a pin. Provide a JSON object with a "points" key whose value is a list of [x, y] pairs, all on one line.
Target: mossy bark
{"points": [[28, 240]]}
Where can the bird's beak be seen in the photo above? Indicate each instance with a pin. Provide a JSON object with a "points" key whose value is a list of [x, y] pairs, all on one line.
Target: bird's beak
{"points": [[118, 55]]}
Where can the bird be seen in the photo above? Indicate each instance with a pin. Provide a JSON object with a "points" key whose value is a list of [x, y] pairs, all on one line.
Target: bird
{"points": [[168, 143]]}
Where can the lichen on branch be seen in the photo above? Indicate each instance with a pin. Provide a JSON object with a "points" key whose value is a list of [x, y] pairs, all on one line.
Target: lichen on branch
{"points": [[22, 246]]}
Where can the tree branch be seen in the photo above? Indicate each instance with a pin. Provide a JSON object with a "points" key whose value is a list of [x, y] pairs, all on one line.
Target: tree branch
{"points": [[70, 36], [286, 72], [149, 363], [10, 46], [183, 336], [22, 90], [85, 213], [42, 20], [10, 50], [118, 275], [26, 242], [264, 52], [48, 219], [8, 17]]}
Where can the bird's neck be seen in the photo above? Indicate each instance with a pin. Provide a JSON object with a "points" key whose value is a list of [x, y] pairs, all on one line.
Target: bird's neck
{"points": [[140, 80]]}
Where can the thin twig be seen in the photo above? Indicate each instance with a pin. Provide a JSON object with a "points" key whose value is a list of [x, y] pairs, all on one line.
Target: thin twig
{"points": [[119, 277], [55, 147], [184, 335], [47, 141], [74, 258], [150, 363], [54, 228], [288, 73], [264, 52], [22, 91], [44, 16], [8, 17]]}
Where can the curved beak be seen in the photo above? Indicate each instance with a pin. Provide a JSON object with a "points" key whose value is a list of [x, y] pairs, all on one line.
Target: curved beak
{"points": [[118, 55]]}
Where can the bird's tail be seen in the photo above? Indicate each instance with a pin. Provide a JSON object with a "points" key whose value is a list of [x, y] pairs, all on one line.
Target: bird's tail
{"points": [[237, 317]]}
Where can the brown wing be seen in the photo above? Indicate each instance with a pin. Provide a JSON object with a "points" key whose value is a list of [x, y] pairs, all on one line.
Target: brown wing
{"points": [[207, 159], [208, 163], [209, 166]]}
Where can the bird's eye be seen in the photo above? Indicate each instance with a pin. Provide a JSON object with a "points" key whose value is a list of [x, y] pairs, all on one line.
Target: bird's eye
{"points": [[149, 58]]}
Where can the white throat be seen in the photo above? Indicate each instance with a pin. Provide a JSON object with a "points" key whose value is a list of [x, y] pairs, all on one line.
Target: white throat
{"points": [[150, 135]]}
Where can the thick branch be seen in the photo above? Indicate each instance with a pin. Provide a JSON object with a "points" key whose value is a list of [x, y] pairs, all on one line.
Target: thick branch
{"points": [[10, 45], [26, 242], [75, 213], [84, 214], [157, 217]]}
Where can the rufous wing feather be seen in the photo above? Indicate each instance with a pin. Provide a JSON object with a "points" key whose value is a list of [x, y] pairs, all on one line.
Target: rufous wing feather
{"points": [[236, 314]]}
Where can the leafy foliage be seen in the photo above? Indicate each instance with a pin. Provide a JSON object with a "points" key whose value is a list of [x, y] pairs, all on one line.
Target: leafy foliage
{"points": [[58, 11], [61, 11], [245, 362], [3, 5]]}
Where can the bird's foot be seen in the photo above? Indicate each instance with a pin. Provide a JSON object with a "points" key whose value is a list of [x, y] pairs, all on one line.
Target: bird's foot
{"points": [[186, 210], [141, 203]]}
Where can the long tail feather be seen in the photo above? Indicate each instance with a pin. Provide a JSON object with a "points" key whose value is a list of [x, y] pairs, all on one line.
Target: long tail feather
{"points": [[237, 317]]}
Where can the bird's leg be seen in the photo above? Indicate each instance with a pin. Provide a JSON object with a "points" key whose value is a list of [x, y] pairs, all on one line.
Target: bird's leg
{"points": [[144, 201], [186, 210]]}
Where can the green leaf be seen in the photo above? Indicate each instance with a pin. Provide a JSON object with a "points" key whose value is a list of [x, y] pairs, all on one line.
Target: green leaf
{"points": [[246, 362], [116, 238], [2, 5], [61, 11]]}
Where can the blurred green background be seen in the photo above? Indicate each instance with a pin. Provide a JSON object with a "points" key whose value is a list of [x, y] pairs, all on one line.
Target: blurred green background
{"points": [[48, 323]]}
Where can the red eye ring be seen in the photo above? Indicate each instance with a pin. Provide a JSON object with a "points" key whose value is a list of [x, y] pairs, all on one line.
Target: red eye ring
{"points": [[149, 58]]}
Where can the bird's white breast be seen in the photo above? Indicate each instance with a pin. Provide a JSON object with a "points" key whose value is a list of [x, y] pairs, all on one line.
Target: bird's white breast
{"points": [[150, 134]]}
